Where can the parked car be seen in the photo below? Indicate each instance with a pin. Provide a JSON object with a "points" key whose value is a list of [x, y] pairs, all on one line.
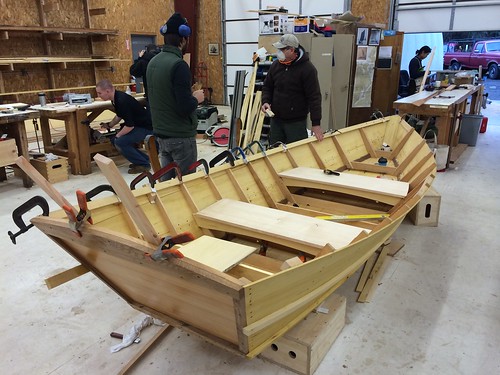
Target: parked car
{"points": [[470, 55]]}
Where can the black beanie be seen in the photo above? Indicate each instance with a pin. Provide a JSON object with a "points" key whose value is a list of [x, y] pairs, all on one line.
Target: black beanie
{"points": [[174, 23]]}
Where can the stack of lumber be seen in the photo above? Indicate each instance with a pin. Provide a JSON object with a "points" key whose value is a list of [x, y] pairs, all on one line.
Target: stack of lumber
{"points": [[252, 117]]}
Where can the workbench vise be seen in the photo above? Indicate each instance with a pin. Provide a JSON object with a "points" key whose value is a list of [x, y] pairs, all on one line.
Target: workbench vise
{"points": [[72, 98]]}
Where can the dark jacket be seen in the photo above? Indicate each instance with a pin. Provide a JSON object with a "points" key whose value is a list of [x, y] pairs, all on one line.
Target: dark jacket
{"points": [[131, 111], [172, 104], [415, 68], [293, 90], [139, 67]]}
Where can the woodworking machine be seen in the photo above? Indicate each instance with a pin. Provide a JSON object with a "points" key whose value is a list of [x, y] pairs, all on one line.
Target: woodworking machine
{"points": [[77, 98], [207, 116]]}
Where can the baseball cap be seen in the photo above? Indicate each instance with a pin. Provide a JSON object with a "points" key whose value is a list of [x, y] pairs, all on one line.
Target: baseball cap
{"points": [[287, 40]]}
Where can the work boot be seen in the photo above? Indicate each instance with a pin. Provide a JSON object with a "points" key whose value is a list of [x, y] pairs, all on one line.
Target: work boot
{"points": [[138, 169]]}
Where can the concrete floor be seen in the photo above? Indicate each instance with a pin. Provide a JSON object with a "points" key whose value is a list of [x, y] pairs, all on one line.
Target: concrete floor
{"points": [[437, 310]]}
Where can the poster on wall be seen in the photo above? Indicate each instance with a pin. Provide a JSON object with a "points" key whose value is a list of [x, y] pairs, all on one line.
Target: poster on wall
{"points": [[374, 37], [362, 38], [363, 79]]}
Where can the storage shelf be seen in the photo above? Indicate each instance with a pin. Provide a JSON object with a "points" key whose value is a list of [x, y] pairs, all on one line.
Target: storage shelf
{"points": [[60, 89], [7, 64], [55, 30]]}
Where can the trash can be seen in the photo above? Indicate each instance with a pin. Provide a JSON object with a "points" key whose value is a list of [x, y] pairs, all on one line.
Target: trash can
{"points": [[469, 129]]}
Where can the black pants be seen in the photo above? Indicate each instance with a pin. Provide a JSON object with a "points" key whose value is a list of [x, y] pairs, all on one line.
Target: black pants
{"points": [[412, 87]]}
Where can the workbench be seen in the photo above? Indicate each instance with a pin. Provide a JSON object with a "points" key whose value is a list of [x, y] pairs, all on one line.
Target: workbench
{"points": [[13, 125], [76, 145], [446, 106]]}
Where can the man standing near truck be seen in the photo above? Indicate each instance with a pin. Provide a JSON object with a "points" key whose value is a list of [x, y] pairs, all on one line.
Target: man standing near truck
{"points": [[416, 69]]}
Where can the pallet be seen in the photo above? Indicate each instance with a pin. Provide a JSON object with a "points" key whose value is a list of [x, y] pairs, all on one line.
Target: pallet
{"points": [[303, 347]]}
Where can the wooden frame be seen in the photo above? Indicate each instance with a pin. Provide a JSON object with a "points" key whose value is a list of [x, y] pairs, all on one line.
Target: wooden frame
{"points": [[213, 49], [362, 36], [375, 35]]}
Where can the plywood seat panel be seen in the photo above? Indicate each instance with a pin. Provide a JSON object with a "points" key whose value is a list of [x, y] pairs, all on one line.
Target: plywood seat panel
{"points": [[380, 189], [290, 229]]}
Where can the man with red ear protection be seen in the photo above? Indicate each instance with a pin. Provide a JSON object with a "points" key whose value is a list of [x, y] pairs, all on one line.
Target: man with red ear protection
{"points": [[172, 102]]}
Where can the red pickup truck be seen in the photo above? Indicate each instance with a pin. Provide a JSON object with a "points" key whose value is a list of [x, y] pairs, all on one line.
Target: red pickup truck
{"points": [[486, 53]]}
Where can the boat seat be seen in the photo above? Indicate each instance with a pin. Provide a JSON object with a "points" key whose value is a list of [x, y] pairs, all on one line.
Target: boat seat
{"points": [[378, 189], [216, 253], [299, 232]]}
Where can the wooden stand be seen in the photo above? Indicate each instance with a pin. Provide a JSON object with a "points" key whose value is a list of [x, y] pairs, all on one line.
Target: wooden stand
{"points": [[303, 347], [53, 170], [374, 269], [426, 212]]}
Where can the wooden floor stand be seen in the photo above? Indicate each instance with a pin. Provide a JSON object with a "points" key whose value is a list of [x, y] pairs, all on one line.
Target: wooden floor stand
{"points": [[303, 347], [374, 269]]}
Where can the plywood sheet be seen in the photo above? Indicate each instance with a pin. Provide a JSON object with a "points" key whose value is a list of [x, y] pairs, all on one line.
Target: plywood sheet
{"points": [[278, 226], [348, 180], [216, 253]]}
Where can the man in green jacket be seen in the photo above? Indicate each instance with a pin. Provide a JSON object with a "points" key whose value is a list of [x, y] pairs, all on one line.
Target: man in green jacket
{"points": [[173, 104]]}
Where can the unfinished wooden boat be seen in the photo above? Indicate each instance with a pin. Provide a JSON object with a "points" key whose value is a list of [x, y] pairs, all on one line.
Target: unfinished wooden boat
{"points": [[241, 284]]}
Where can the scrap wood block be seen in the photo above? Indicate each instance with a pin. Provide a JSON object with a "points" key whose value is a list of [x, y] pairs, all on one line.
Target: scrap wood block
{"points": [[53, 170], [8, 152], [426, 212], [303, 347]]}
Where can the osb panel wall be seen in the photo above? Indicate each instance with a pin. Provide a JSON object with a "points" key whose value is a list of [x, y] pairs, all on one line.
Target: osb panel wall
{"points": [[209, 32], [128, 17], [374, 11]]}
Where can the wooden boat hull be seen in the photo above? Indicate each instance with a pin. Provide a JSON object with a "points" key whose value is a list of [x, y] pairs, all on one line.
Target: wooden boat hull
{"points": [[256, 300]]}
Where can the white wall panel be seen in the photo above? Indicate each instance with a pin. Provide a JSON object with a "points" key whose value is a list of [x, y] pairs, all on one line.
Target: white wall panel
{"points": [[238, 9], [424, 20], [240, 53], [482, 18], [243, 31], [293, 6], [441, 16], [312, 7]]}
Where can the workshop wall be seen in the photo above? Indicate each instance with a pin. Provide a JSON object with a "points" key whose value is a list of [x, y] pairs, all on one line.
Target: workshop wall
{"points": [[374, 11], [210, 32], [128, 17]]}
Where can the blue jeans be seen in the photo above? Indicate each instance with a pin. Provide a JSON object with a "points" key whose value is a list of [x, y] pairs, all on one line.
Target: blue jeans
{"points": [[181, 150], [127, 146]]}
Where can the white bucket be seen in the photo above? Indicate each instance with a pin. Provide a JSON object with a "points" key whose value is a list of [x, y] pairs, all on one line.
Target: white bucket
{"points": [[442, 156], [440, 152]]}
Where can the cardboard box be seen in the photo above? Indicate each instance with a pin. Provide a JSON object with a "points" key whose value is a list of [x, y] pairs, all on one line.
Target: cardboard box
{"points": [[301, 25], [426, 212], [272, 23], [303, 347], [54, 170], [8, 152]]}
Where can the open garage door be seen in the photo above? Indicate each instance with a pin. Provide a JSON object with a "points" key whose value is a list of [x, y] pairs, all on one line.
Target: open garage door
{"points": [[412, 16]]}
